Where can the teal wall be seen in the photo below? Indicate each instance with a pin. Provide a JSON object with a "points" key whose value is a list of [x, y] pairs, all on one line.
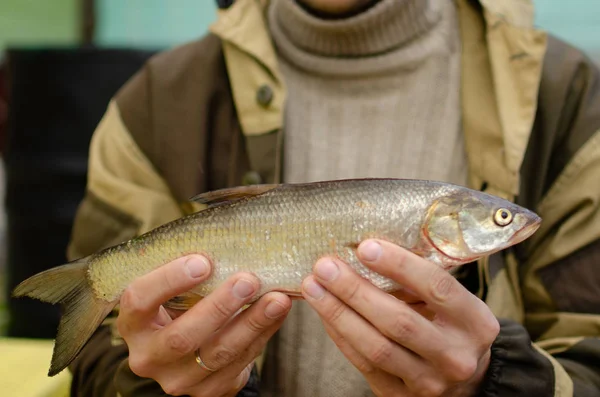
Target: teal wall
{"points": [[575, 21], [152, 23], [164, 23]]}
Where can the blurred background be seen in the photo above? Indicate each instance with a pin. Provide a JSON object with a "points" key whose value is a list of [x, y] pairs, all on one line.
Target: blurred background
{"points": [[60, 62]]}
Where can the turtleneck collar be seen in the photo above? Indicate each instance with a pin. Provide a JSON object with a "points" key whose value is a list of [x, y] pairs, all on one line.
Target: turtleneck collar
{"points": [[383, 27]]}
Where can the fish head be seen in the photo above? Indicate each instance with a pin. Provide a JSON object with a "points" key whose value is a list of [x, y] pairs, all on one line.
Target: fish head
{"points": [[468, 224]]}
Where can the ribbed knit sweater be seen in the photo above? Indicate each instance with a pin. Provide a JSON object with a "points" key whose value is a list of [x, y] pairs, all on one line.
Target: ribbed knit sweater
{"points": [[373, 95]]}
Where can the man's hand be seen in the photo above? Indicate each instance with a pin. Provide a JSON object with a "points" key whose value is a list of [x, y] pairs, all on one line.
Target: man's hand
{"points": [[437, 343], [163, 348]]}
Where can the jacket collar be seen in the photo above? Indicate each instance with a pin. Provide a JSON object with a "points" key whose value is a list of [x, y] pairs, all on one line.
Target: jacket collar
{"points": [[244, 25], [504, 53]]}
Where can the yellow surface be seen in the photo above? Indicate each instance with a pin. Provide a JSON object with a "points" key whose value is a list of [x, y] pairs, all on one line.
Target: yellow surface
{"points": [[24, 367]]}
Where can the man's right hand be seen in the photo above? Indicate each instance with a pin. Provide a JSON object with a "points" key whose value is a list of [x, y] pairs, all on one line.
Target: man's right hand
{"points": [[163, 348]]}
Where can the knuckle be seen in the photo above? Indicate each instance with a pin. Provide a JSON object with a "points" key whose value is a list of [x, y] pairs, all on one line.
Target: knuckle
{"points": [[222, 356], [430, 387], [352, 290], [171, 280], [140, 364], [399, 260], [336, 311], [460, 367], [491, 329], [256, 348], [173, 388], [132, 303], [255, 325], [123, 326], [442, 285], [220, 311], [178, 343], [364, 367], [403, 326], [381, 353]]}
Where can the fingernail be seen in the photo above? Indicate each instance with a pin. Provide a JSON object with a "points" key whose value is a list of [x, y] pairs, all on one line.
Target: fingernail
{"points": [[313, 289], [243, 289], [327, 269], [274, 310], [197, 266], [370, 251]]}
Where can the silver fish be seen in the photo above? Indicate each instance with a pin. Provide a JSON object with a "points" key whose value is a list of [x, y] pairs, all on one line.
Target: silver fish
{"points": [[278, 232]]}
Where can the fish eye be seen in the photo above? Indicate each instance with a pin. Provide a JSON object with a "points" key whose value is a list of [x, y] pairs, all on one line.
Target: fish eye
{"points": [[503, 217]]}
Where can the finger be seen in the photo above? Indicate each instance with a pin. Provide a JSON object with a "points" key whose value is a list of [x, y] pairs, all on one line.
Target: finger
{"points": [[393, 318], [385, 384], [185, 334], [221, 381], [141, 300], [242, 379], [382, 383], [362, 336], [244, 330], [223, 385], [442, 292], [162, 318]]}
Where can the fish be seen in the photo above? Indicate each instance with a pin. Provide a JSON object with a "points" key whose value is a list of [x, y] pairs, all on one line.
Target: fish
{"points": [[277, 232]]}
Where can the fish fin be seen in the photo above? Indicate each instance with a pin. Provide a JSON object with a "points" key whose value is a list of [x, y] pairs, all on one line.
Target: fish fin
{"points": [[228, 195], [292, 294], [183, 301], [82, 312], [352, 246]]}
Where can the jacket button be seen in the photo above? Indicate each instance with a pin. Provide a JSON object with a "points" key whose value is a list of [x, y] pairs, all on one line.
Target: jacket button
{"points": [[251, 178], [264, 95]]}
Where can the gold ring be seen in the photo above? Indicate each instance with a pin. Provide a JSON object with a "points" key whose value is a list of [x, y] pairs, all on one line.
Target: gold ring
{"points": [[201, 363]]}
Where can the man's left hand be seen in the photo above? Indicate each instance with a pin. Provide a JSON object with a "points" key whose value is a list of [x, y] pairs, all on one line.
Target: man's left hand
{"points": [[431, 339]]}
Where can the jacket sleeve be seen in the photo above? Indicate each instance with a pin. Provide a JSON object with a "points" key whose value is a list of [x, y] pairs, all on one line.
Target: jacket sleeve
{"points": [[553, 349]]}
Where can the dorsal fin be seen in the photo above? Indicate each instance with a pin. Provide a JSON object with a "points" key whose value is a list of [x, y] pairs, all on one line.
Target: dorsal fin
{"points": [[228, 195]]}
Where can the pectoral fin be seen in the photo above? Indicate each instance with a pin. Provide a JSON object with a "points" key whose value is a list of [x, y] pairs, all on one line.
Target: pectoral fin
{"points": [[184, 301]]}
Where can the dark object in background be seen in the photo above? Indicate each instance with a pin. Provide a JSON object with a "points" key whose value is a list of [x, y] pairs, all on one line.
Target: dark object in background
{"points": [[225, 4], [57, 97], [3, 104]]}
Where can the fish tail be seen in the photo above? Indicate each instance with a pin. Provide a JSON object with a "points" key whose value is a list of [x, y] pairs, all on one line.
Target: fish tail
{"points": [[82, 312]]}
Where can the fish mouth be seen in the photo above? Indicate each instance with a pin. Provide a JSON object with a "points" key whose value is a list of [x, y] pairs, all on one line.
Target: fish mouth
{"points": [[531, 226]]}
